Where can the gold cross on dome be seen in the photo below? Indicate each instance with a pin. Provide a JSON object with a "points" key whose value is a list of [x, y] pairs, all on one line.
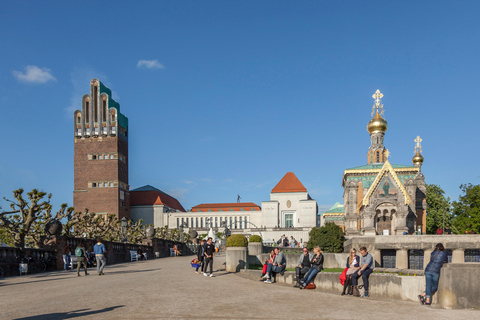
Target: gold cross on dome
{"points": [[378, 97], [418, 147], [386, 153]]}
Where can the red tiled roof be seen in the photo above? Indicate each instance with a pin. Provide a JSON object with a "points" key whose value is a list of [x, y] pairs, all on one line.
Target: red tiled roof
{"points": [[154, 197], [246, 206], [289, 183]]}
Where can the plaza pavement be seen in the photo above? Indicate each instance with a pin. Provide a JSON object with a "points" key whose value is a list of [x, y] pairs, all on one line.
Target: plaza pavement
{"points": [[168, 288]]}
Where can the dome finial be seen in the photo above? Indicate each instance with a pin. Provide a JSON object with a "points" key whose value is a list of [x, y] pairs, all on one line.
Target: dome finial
{"points": [[377, 124], [417, 158]]}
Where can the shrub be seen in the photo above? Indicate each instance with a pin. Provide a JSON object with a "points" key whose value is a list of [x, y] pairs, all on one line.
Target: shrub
{"points": [[237, 240], [330, 238], [255, 238]]}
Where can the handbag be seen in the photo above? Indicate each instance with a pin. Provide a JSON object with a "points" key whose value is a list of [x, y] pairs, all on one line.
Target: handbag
{"points": [[358, 291], [311, 285]]}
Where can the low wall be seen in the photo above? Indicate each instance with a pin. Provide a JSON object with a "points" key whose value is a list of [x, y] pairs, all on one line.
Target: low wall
{"points": [[390, 286], [236, 259], [458, 285], [331, 260]]}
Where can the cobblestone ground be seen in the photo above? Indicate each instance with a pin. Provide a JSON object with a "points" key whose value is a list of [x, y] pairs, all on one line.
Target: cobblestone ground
{"points": [[169, 289]]}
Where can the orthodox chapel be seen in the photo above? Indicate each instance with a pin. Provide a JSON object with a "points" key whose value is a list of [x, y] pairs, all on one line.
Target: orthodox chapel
{"points": [[381, 198]]}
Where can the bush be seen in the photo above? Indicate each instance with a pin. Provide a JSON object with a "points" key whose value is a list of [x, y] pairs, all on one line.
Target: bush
{"points": [[255, 238], [237, 240], [329, 238]]}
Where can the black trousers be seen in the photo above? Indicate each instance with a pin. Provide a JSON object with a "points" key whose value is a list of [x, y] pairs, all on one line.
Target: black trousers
{"points": [[301, 272], [203, 264], [208, 261], [347, 286]]}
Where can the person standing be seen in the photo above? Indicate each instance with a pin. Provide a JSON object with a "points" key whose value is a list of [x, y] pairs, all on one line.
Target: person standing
{"points": [[432, 273], [365, 270], [209, 252], [100, 251], [201, 255], [81, 255], [67, 251]]}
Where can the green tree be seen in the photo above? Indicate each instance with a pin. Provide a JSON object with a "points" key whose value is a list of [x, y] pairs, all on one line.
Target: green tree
{"points": [[466, 210], [330, 238], [437, 207], [25, 220]]}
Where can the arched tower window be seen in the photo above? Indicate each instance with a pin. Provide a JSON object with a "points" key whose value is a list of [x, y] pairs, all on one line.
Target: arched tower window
{"points": [[104, 109], [87, 110], [377, 140], [113, 116], [95, 106], [378, 156], [79, 118]]}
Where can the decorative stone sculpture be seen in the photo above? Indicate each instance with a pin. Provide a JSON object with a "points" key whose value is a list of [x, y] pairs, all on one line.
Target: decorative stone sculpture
{"points": [[193, 234], [53, 228], [150, 232]]}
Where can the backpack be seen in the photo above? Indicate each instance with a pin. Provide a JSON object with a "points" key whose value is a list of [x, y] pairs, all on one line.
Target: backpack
{"points": [[79, 252]]}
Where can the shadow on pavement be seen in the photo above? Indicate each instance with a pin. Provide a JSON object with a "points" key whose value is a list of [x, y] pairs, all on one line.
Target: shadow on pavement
{"points": [[130, 271], [68, 315]]}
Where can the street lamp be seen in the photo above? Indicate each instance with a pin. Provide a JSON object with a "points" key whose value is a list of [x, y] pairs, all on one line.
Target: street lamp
{"points": [[123, 224]]}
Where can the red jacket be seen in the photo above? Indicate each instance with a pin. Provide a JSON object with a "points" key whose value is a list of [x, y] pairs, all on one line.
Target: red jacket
{"points": [[343, 276]]}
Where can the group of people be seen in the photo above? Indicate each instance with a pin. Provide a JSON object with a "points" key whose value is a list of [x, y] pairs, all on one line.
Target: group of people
{"points": [[309, 264], [284, 241], [205, 254], [83, 257], [355, 268]]}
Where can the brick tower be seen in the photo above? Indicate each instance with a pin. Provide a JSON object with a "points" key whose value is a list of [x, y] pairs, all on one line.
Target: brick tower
{"points": [[101, 154]]}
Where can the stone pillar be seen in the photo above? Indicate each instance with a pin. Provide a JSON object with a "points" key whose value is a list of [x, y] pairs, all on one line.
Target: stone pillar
{"points": [[402, 259], [401, 223], [254, 249], [458, 256], [377, 257], [236, 259], [426, 256], [369, 225]]}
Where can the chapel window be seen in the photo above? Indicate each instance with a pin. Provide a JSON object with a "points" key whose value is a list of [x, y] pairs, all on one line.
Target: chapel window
{"points": [[378, 156]]}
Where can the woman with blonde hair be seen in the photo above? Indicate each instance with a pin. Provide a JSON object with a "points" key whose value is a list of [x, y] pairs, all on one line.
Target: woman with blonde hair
{"points": [[317, 266], [353, 264]]}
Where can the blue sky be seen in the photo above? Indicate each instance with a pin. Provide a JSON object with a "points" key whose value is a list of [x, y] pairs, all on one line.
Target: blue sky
{"points": [[225, 97]]}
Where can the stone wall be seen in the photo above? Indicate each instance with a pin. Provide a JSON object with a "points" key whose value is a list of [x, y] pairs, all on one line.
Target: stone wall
{"points": [[389, 286], [458, 286]]}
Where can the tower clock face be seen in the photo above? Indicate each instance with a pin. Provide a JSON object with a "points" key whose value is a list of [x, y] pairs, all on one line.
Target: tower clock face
{"points": [[289, 204]]}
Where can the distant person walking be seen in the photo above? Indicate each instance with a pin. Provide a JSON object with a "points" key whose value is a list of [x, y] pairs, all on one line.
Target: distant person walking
{"points": [[201, 255], [432, 273], [67, 251], [82, 257], [209, 252], [100, 251]]}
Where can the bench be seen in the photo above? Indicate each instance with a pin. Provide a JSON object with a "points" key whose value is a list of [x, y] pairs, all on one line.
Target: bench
{"points": [[133, 255]]}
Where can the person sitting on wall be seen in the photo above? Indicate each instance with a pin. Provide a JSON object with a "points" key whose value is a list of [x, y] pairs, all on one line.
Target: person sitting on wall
{"points": [[268, 260], [364, 271], [177, 252], [304, 264], [317, 266], [353, 264], [278, 265]]}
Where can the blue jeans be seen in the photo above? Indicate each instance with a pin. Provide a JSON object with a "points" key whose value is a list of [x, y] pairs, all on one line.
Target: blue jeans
{"points": [[66, 261], [432, 283], [310, 275], [101, 262], [273, 268], [365, 274]]}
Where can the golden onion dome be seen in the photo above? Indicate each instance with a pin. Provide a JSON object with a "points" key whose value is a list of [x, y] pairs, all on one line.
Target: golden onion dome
{"points": [[417, 159], [377, 124]]}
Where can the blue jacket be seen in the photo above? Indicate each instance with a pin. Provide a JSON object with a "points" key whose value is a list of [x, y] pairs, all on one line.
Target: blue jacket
{"points": [[99, 248], [436, 261]]}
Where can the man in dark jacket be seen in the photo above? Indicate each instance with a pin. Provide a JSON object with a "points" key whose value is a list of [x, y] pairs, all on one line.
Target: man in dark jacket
{"points": [[304, 264], [209, 252], [201, 255]]}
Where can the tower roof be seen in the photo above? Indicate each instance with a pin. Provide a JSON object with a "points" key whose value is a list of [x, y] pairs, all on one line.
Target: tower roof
{"points": [[148, 195], [289, 183]]}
